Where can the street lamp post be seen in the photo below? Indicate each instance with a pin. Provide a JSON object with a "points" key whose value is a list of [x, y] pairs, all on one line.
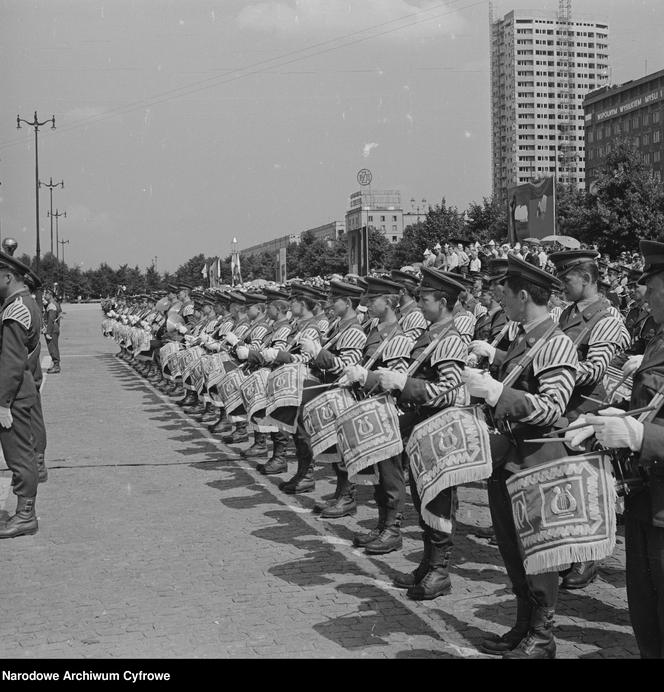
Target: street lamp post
{"points": [[63, 243], [56, 216], [36, 124], [51, 186]]}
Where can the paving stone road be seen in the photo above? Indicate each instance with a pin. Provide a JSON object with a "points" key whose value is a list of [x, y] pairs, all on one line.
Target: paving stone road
{"points": [[157, 540]]}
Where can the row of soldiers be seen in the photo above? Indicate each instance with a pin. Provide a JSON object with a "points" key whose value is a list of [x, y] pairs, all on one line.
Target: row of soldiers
{"points": [[510, 343]]}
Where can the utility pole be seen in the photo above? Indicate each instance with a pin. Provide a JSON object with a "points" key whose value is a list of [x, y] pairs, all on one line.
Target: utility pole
{"points": [[63, 243], [51, 186], [56, 216], [36, 125]]}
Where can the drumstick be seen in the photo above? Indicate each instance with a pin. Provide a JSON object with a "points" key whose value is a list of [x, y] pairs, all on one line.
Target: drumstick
{"points": [[621, 381], [596, 401], [580, 426]]}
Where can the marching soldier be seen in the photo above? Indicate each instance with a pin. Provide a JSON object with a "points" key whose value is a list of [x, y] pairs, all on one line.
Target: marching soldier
{"points": [[53, 312], [431, 388], [644, 505], [349, 341], [527, 409], [19, 341]]}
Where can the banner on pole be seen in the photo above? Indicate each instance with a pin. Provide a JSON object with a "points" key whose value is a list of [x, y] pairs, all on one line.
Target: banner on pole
{"points": [[531, 210], [358, 251]]}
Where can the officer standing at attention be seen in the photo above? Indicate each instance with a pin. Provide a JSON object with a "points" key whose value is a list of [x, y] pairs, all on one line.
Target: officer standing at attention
{"points": [[644, 505], [19, 339], [52, 329]]}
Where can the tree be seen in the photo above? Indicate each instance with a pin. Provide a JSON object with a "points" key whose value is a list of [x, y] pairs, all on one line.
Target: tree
{"points": [[486, 221], [190, 271], [626, 203], [380, 250]]}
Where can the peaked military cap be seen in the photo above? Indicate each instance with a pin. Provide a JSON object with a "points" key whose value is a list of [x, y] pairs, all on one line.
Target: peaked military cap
{"points": [[173, 288], [9, 262], [184, 284], [435, 280], [304, 291], [653, 256], [521, 269], [404, 278], [633, 277], [467, 282], [255, 298], [381, 287], [276, 294], [497, 268], [341, 289], [237, 297], [567, 260]]}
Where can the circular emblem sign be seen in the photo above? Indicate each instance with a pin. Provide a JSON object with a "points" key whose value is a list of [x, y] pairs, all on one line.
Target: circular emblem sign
{"points": [[364, 177]]}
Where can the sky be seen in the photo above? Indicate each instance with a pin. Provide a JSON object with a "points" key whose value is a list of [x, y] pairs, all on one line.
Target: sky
{"points": [[183, 123]]}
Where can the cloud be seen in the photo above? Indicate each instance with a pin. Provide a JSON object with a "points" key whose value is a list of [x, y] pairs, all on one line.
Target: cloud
{"points": [[290, 18], [366, 150]]}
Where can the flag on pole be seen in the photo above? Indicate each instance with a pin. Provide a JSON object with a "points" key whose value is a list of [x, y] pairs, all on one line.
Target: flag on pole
{"points": [[235, 265], [204, 271], [218, 272]]}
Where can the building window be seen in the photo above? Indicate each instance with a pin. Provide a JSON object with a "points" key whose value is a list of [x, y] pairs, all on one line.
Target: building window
{"points": [[382, 218], [394, 239], [394, 218], [394, 228], [382, 228], [657, 136], [371, 218]]}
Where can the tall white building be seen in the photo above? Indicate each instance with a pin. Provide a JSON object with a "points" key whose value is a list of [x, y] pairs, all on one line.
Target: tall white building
{"points": [[543, 64]]}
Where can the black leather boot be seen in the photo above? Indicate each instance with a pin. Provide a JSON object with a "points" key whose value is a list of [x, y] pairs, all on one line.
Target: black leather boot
{"points": [[210, 414], [580, 575], [539, 641], [24, 522], [436, 582], [189, 400], [389, 538], [238, 435], [406, 581], [500, 644], [342, 476], [345, 506], [277, 463], [41, 469], [196, 409], [303, 480], [219, 423], [259, 448], [362, 539]]}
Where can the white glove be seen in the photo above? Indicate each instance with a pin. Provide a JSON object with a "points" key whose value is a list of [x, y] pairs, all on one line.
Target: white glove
{"points": [[481, 385], [613, 432], [632, 365], [269, 354], [390, 380], [575, 438], [6, 419], [231, 338], [355, 373], [242, 352], [482, 349], [311, 347], [182, 329]]}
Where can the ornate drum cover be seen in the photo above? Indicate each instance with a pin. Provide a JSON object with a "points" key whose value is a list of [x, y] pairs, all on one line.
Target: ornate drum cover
{"points": [[254, 392], [368, 433], [450, 448], [564, 511], [319, 418], [284, 389], [168, 353], [229, 390]]}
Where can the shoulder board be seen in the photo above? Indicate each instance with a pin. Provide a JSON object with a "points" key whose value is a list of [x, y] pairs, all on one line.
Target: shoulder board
{"points": [[188, 310], [451, 347], [18, 312], [353, 337], [399, 346]]}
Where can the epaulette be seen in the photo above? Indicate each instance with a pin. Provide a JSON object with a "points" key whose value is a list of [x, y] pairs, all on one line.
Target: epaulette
{"points": [[18, 312]]}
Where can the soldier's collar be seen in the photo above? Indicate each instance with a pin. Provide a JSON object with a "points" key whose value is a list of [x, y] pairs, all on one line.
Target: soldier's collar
{"points": [[441, 325]]}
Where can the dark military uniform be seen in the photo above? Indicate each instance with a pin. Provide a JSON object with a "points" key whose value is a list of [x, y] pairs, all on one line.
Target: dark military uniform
{"points": [[19, 340], [53, 314]]}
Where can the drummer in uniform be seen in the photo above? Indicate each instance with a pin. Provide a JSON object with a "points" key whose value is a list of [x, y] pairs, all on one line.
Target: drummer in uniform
{"points": [[644, 505], [388, 335], [599, 336], [464, 319], [303, 302], [430, 389], [329, 364], [528, 409], [277, 338], [412, 321]]}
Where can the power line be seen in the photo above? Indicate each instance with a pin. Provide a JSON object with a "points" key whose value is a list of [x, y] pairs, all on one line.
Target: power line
{"points": [[211, 82]]}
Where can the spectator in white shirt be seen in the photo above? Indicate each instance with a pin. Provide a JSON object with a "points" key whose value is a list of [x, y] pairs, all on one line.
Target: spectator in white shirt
{"points": [[475, 265]]}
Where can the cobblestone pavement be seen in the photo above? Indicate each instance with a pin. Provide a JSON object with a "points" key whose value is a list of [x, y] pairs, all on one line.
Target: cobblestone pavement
{"points": [[157, 540]]}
